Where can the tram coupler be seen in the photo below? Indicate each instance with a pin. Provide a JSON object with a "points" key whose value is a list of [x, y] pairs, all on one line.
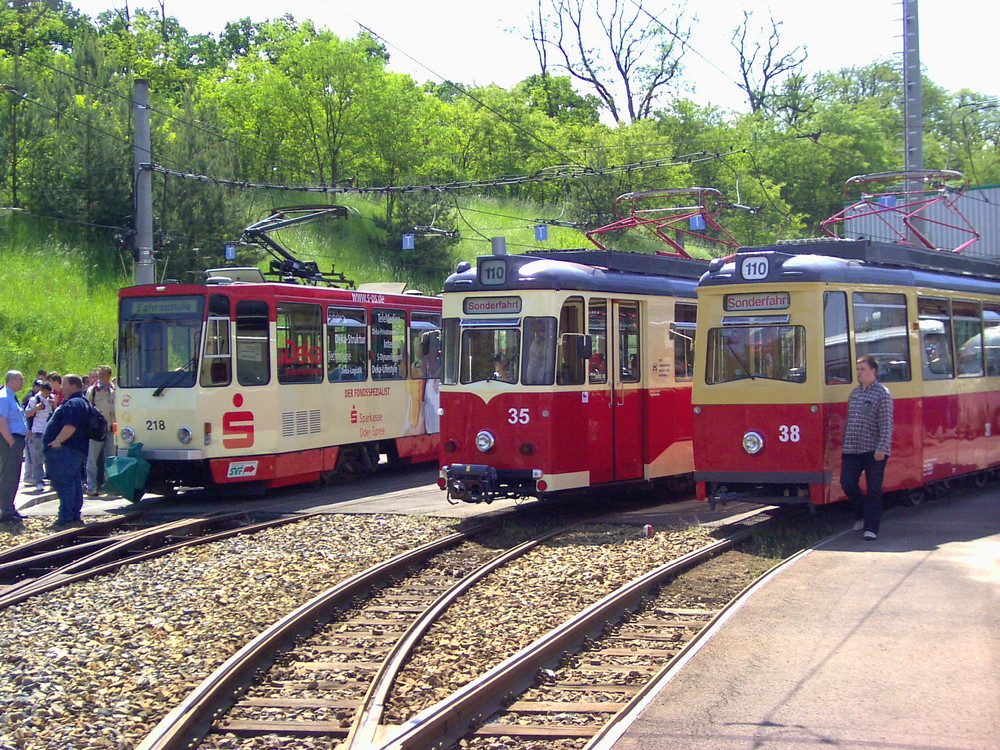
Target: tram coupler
{"points": [[471, 483], [722, 496]]}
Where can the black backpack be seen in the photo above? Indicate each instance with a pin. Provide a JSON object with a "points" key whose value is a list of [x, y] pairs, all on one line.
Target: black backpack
{"points": [[97, 426]]}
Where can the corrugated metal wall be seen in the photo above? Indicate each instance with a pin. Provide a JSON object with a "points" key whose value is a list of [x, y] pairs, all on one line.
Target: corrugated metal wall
{"points": [[980, 205]]}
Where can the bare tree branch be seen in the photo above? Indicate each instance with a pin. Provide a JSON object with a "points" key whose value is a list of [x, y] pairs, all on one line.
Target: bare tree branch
{"points": [[762, 67], [639, 55]]}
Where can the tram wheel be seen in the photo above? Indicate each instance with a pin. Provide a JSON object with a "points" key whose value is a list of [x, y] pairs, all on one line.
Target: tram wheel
{"points": [[916, 496], [980, 479]]}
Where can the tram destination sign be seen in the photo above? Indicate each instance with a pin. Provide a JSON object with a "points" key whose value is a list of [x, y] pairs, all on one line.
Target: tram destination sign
{"points": [[491, 305], [756, 301]]}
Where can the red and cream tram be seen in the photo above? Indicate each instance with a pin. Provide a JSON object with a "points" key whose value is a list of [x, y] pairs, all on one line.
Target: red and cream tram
{"points": [[566, 370], [779, 330], [243, 382]]}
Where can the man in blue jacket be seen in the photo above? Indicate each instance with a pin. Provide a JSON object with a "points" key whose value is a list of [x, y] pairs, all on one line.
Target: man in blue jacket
{"points": [[65, 445]]}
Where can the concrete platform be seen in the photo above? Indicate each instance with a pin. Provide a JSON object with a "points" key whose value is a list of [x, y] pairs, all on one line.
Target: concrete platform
{"points": [[887, 644]]}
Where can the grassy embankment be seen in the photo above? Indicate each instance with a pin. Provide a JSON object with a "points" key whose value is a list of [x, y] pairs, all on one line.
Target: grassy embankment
{"points": [[58, 307], [58, 291]]}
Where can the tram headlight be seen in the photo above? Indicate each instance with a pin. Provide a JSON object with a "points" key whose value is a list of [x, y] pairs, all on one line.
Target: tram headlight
{"points": [[485, 440], [127, 434], [184, 435], [753, 443]]}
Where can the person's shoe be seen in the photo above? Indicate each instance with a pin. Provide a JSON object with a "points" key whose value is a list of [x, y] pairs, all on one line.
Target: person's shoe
{"points": [[859, 525], [40, 486], [60, 525], [16, 518], [870, 535], [92, 493]]}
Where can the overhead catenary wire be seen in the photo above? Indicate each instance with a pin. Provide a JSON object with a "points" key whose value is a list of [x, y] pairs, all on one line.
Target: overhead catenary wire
{"points": [[559, 172]]}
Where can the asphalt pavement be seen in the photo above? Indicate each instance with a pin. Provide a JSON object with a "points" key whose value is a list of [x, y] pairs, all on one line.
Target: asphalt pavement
{"points": [[888, 644]]}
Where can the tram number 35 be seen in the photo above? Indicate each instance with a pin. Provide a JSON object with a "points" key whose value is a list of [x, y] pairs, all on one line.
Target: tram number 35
{"points": [[518, 416], [789, 433]]}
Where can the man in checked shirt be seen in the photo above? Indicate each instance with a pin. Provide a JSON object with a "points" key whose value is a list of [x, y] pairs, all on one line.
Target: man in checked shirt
{"points": [[867, 441]]}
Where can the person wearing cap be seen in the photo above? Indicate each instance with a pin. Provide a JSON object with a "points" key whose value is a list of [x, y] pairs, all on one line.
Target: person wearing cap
{"points": [[13, 429], [37, 409]]}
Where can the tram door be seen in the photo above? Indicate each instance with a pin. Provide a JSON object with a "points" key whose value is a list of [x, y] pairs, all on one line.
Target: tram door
{"points": [[626, 391]]}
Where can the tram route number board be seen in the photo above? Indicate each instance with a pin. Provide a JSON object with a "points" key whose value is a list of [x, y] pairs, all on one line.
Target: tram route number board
{"points": [[492, 271], [754, 268]]}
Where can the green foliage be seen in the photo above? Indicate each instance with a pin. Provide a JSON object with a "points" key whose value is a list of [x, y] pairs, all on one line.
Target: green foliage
{"points": [[282, 102], [57, 311]]}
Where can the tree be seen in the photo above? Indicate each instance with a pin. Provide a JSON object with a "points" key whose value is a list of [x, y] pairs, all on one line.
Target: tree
{"points": [[763, 65], [39, 27], [641, 53], [555, 97]]}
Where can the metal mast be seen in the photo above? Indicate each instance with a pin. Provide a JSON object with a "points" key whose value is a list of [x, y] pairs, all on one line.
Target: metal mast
{"points": [[143, 184], [913, 100]]}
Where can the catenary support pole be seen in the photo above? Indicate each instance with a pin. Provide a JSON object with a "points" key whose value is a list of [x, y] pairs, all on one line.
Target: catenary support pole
{"points": [[143, 181]]}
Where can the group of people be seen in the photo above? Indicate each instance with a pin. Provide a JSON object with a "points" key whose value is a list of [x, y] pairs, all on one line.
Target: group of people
{"points": [[46, 432]]}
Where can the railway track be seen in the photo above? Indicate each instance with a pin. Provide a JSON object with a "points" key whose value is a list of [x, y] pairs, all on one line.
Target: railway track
{"points": [[77, 554], [571, 683], [333, 683]]}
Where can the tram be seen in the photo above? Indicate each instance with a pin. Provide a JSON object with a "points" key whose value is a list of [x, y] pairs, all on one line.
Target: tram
{"points": [[253, 384], [780, 328], [566, 370]]}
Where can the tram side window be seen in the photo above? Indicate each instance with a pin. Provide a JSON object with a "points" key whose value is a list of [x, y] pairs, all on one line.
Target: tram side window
{"points": [[628, 342], [968, 326], [934, 317], [253, 354], [346, 344], [300, 339], [990, 341], [880, 330], [571, 368], [837, 360], [682, 333], [388, 344], [215, 365], [425, 345], [451, 347], [538, 367], [597, 327]]}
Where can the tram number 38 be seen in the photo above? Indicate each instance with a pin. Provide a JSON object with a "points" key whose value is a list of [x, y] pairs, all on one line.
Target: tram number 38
{"points": [[789, 433]]}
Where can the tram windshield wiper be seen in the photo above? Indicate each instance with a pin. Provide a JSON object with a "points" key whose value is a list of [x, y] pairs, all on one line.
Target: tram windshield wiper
{"points": [[739, 360], [174, 377]]}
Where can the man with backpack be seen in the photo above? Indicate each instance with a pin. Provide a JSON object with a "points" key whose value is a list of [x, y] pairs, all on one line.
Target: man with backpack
{"points": [[65, 444], [102, 396]]}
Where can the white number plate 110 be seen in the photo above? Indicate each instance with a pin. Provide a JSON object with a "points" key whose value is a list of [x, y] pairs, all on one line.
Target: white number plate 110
{"points": [[754, 268]]}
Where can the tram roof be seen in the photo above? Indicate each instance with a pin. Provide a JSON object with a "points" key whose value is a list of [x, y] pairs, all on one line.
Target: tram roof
{"points": [[587, 270], [864, 262]]}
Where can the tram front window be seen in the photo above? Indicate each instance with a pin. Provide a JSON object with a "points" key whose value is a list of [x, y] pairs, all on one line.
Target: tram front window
{"points": [[159, 339], [750, 352], [490, 354]]}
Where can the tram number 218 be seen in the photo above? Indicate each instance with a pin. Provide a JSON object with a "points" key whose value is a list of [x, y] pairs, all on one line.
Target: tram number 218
{"points": [[789, 433]]}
